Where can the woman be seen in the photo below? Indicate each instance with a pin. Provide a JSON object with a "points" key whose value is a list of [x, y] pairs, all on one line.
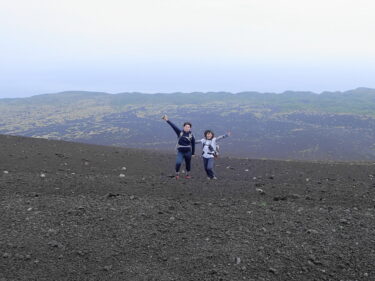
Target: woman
{"points": [[185, 146]]}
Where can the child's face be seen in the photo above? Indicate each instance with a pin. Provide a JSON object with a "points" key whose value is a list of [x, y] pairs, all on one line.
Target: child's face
{"points": [[209, 136]]}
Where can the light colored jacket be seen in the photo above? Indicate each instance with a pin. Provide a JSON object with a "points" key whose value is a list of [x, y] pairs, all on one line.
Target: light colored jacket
{"points": [[210, 146]]}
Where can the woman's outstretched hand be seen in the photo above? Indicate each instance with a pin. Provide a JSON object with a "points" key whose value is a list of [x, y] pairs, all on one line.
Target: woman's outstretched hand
{"points": [[164, 117]]}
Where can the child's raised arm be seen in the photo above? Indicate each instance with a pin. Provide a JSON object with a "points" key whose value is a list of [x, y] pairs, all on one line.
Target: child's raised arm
{"points": [[223, 136]]}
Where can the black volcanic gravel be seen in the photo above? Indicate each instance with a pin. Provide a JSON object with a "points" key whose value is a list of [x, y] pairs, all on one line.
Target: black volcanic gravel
{"points": [[81, 212]]}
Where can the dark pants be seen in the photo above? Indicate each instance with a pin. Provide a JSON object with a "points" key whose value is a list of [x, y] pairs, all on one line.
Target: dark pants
{"points": [[180, 157], [209, 166]]}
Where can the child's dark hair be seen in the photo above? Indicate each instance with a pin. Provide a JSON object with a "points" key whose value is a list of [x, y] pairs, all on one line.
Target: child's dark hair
{"points": [[208, 131], [187, 123]]}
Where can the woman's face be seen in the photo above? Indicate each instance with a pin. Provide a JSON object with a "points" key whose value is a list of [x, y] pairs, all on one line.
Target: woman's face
{"points": [[209, 135], [187, 128]]}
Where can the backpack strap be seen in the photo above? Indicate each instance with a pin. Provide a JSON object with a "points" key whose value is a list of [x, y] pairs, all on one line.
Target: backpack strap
{"points": [[189, 137]]}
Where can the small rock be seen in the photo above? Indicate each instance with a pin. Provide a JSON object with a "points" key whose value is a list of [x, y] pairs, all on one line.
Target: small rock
{"points": [[344, 221], [123, 168], [295, 196], [122, 176], [272, 270], [6, 172], [6, 255], [132, 197], [19, 256], [110, 195], [42, 175], [55, 244], [312, 231], [259, 190], [246, 170], [237, 260], [107, 267], [307, 179], [279, 198]]}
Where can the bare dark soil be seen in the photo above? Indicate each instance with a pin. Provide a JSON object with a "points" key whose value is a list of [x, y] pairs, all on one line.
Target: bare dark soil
{"points": [[80, 212]]}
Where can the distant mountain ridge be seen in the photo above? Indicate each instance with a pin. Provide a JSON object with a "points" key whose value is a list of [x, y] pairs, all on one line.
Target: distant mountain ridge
{"points": [[290, 125]]}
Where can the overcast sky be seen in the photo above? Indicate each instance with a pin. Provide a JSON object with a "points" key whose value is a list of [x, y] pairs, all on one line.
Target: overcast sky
{"points": [[185, 45]]}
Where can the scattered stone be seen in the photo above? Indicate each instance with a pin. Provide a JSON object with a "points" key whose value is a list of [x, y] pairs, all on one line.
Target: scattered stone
{"points": [[314, 261], [107, 267], [122, 175], [312, 231], [295, 196], [42, 175], [6, 172], [6, 255], [272, 270], [254, 178], [123, 168], [110, 195], [260, 191], [80, 253], [279, 198], [246, 170], [344, 221], [55, 244], [237, 260], [19, 256], [307, 179], [132, 197]]}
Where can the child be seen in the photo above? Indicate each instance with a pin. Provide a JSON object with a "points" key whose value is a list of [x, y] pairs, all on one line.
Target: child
{"points": [[185, 146], [210, 151]]}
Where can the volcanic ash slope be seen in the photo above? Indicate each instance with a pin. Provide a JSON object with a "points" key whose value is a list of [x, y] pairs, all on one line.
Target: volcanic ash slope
{"points": [[80, 212]]}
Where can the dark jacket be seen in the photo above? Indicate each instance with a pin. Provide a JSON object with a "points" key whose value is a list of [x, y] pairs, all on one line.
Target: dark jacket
{"points": [[186, 140]]}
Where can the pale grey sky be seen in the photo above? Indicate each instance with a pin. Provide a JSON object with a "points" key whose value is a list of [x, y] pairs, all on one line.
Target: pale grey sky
{"points": [[185, 45]]}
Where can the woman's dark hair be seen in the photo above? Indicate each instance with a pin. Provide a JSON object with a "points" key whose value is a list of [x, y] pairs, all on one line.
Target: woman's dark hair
{"points": [[208, 131], [187, 123]]}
